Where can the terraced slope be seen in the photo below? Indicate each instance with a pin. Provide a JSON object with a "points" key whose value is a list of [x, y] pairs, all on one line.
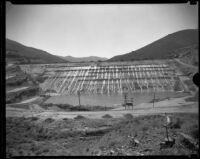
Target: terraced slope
{"points": [[19, 85], [111, 79]]}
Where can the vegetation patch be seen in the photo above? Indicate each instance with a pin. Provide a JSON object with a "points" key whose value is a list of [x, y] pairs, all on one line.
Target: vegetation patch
{"points": [[49, 120], [177, 124], [107, 116], [79, 117], [33, 118], [108, 136], [128, 116], [195, 133]]}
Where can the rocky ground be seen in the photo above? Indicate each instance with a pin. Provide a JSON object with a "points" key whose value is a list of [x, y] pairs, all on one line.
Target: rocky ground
{"points": [[125, 136]]}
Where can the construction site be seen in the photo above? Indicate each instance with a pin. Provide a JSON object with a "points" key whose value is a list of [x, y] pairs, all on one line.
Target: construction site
{"points": [[85, 107], [110, 79]]}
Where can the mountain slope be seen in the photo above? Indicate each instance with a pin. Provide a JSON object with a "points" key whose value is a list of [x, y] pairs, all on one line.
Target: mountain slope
{"points": [[162, 48], [83, 59], [189, 55], [16, 52]]}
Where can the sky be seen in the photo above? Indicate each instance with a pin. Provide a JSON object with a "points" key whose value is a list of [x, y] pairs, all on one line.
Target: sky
{"points": [[103, 30]]}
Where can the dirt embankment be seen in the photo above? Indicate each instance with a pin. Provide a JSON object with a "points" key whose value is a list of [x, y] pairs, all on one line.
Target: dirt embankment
{"points": [[17, 96]]}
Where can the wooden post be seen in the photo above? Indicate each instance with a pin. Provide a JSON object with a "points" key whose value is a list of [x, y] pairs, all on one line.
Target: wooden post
{"points": [[125, 93], [132, 102], [154, 97], [79, 100], [167, 132], [125, 96]]}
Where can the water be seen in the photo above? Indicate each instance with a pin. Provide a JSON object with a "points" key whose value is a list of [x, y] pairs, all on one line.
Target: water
{"points": [[112, 100]]}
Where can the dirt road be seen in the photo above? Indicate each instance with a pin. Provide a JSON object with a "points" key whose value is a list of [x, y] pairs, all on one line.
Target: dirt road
{"points": [[171, 106], [18, 89], [185, 64]]}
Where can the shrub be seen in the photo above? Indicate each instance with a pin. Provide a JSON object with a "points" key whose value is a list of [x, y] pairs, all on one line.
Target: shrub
{"points": [[64, 106], [79, 108], [145, 128], [65, 119], [128, 116], [195, 133], [107, 116], [137, 121], [79, 117], [33, 118], [113, 143], [187, 144], [87, 150], [177, 124], [49, 120]]}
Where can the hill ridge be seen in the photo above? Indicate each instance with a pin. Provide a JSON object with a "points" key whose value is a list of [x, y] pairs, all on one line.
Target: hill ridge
{"points": [[163, 47], [19, 53]]}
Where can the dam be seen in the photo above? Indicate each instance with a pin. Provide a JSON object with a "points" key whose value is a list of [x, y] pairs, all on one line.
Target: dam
{"points": [[110, 79]]}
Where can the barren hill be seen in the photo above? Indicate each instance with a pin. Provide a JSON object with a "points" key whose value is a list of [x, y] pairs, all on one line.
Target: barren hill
{"points": [[18, 53], [163, 48]]}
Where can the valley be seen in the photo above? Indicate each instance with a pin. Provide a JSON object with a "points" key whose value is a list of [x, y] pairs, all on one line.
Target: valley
{"points": [[108, 107]]}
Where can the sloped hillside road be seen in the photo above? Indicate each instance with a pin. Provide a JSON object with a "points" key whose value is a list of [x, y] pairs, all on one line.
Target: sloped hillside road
{"points": [[187, 65]]}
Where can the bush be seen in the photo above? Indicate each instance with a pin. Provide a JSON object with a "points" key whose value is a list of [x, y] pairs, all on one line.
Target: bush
{"points": [[49, 120], [145, 128], [79, 108], [33, 118], [137, 121], [79, 117], [187, 144], [107, 116], [195, 133], [177, 124], [65, 119], [128, 116]]}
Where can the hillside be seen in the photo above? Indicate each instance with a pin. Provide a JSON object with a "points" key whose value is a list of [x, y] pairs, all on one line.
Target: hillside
{"points": [[83, 59], [163, 48], [189, 55], [18, 53]]}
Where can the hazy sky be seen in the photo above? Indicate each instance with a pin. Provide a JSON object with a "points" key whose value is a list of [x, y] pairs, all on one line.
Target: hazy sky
{"points": [[96, 30]]}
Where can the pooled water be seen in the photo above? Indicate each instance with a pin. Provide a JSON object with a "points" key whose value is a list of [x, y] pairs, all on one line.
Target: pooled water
{"points": [[112, 100]]}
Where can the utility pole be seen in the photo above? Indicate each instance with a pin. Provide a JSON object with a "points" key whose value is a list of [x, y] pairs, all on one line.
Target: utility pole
{"points": [[125, 94], [79, 95], [154, 93]]}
